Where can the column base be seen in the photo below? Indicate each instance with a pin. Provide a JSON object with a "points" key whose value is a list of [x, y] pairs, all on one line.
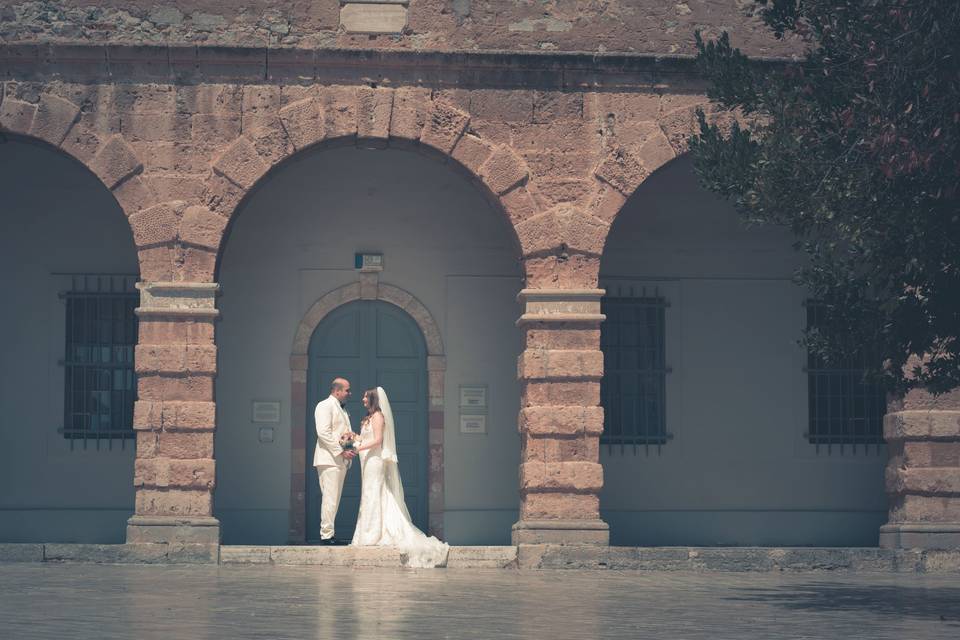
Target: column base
{"points": [[944, 535], [561, 532], [173, 530]]}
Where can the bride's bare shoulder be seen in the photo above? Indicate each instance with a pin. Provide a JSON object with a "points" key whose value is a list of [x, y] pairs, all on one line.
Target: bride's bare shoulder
{"points": [[377, 418]]}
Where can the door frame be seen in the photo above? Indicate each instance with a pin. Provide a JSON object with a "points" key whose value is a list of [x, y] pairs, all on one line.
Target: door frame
{"points": [[368, 287]]}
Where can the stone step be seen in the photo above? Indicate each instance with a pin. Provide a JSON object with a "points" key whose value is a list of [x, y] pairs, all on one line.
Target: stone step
{"points": [[528, 557], [459, 558]]}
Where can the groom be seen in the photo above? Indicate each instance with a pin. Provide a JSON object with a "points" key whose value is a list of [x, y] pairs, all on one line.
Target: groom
{"points": [[329, 458]]}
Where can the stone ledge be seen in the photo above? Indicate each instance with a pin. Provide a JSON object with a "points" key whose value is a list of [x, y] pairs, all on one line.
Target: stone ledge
{"points": [[739, 559], [482, 558], [255, 63], [133, 553], [477, 557], [337, 556], [24, 552], [535, 557], [233, 554]]}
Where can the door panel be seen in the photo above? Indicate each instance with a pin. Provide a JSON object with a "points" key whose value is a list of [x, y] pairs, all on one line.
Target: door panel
{"points": [[371, 344]]}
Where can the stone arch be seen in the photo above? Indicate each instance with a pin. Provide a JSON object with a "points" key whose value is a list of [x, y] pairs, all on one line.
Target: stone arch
{"points": [[624, 199], [367, 288], [563, 245], [55, 121], [377, 118], [622, 170]]}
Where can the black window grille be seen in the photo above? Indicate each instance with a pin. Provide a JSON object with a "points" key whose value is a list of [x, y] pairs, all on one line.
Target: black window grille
{"points": [[633, 389], [99, 380], [845, 408]]}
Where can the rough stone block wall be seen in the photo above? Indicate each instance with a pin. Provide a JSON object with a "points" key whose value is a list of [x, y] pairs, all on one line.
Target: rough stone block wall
{"points": [[180, 157], [642, 26], [181, 138]]}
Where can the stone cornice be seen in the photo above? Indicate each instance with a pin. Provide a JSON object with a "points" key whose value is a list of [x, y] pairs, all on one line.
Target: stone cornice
{"points": [[190, 63]]}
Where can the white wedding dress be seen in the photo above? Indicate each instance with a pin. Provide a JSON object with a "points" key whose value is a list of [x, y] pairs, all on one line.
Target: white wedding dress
{"points": [[384, 520]]}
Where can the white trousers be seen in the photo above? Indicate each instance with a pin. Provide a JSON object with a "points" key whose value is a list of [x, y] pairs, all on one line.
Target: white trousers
{"points": [[331, 485]]}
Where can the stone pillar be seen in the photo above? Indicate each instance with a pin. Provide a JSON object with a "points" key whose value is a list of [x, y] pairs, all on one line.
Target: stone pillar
{"points": [[923, 472], [174, 417], [560, 418]]}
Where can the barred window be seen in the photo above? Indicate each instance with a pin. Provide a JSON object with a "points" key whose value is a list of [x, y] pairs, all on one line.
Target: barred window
{"points": [[99, 380], [844, 408], [633, 389]]}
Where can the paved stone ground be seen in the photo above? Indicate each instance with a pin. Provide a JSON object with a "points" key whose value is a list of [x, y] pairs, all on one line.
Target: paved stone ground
{"points": [[80, 601]]}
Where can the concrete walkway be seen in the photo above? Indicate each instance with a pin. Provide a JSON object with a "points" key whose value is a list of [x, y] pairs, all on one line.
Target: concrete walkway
{"points": [[80, 601]]}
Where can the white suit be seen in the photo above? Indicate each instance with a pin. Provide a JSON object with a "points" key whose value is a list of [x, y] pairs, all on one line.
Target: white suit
{"points": [[332, 422]]}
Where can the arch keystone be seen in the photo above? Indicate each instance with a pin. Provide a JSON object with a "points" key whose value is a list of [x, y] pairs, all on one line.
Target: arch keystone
{"points": [[410, 105], [374, 108], [339, 110]]}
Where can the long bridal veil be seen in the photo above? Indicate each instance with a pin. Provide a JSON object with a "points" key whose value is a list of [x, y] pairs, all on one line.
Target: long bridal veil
{"points": [[391, 467], [421, 550]]}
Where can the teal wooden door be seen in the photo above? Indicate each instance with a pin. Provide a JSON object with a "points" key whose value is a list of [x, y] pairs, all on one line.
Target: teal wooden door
{"points": [[371, 344]]}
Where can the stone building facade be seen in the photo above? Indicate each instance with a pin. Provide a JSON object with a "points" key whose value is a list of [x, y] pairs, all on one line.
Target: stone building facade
{"points": [[183, 111]]}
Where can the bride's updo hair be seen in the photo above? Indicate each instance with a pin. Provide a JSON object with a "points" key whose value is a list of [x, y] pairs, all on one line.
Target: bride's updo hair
{"points": [[373, 399]]}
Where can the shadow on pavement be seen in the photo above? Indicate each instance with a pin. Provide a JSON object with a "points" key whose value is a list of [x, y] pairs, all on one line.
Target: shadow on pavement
{"points": [[933, 603]]}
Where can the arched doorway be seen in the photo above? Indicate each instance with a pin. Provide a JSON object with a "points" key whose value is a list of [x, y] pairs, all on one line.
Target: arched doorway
{"points": [[372, 344]]}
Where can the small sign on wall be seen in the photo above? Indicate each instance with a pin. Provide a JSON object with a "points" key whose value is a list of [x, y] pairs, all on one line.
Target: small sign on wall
{"points": [[473, 397], [473, 424], [265, 411], [473, 408]]}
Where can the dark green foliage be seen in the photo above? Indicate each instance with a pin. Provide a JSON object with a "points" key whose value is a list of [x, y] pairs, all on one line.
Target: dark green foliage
{"points": [[854, 147]]}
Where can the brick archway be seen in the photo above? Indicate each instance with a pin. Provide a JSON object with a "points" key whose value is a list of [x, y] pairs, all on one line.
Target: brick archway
{"points": [[367, 287]]}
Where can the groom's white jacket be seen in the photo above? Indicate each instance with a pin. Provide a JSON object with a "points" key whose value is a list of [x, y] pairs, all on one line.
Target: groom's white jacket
{"points": [[332, 422]]}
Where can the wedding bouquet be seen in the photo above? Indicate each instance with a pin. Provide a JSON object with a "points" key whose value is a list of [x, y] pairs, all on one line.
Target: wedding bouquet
{"points": [[348, 441]]}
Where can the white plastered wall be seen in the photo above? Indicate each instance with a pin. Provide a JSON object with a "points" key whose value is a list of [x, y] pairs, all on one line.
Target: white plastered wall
{"points": [[738, 469], [56, 218]]}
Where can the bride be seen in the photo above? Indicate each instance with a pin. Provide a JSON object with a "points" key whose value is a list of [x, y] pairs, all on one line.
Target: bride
{"points": [[384, 519]]}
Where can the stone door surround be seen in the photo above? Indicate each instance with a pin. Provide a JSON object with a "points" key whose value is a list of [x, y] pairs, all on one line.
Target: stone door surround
{"points": [[367, 287]]}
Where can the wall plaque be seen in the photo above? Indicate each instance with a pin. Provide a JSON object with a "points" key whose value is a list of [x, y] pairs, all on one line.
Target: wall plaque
{"points": [[473, 424], [362, 17], [473, 398], [265, 411]]}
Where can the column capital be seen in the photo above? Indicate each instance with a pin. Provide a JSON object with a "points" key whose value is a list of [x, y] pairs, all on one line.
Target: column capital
{"points": [[183, 299], [561, 306]]}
